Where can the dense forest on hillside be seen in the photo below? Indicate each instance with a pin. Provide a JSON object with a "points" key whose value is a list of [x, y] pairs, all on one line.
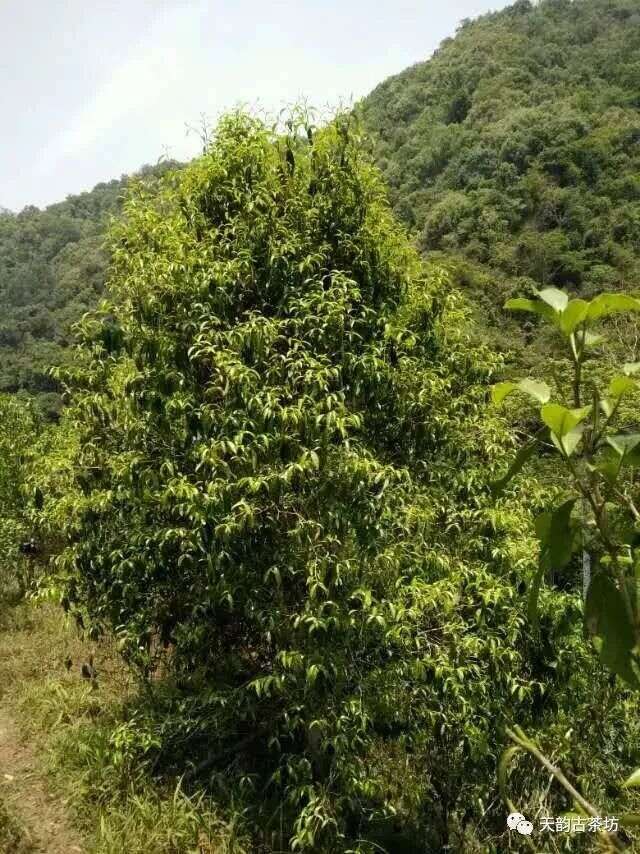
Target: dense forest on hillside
{"points": [[516, 148], [52, 270]]}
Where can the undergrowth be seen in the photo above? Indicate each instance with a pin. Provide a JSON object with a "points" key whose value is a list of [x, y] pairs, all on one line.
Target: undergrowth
{"points": [[12, 838], [81, 732]]}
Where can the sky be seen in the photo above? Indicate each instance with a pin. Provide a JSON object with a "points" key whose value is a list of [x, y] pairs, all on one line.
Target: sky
{"points": [[93, 89]]}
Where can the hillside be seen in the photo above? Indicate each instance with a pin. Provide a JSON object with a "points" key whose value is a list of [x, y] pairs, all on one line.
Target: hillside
{"points": [[516, 148], [52, 270], [514, 152]]}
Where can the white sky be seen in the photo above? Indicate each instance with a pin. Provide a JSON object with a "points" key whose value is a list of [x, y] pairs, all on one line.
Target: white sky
{"points": [[91, 89]]}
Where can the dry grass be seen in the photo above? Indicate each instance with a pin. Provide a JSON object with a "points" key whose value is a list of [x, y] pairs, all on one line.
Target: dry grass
{"points": [[73, 725]]}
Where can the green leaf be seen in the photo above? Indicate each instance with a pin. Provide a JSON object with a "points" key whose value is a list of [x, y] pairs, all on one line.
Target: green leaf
{"points": [[542, 523], [538, 390], [521, 458], [564, 425], [554, 297], [556, 537], [502, 390], [606, 618], [534, 306], [624, 443], [573, 315], [570, 441], [621, 385], [561, 420], [633, 780], [605, 304], [630, 368]]}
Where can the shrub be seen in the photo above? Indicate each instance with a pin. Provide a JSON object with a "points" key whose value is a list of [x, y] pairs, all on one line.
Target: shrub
{"points": [[18, 429]]}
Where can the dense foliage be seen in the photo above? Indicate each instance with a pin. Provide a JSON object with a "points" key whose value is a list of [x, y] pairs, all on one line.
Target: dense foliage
{"points": [[52, 270], [515, 148], [278, 498], [19, 427], [271, 484]]}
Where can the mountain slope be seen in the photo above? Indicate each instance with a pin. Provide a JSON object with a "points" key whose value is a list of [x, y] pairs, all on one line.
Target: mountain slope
{"points": [[52, 270], [517, 147], [514, 153]]}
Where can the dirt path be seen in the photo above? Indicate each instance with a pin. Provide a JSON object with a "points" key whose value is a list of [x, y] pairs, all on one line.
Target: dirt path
{"points": [[24, 791]]}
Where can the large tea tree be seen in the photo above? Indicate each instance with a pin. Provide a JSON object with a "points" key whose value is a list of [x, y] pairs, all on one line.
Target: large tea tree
{"points": [[277, 488]]}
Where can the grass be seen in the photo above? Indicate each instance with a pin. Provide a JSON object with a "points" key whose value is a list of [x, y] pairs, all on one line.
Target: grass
{"points": [[83, 734], [12, 837]]}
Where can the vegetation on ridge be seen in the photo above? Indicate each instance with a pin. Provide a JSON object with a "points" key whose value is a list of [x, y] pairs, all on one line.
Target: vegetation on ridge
{"points": [[52, 270], [513, 153], [515, 150]]}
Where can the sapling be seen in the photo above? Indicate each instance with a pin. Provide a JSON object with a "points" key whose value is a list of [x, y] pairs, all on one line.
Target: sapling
{"points": [[599, 459], [580, 421]]}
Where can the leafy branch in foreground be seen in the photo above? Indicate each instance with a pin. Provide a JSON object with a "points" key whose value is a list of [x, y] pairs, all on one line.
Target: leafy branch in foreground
{"points": [[600, 457]]}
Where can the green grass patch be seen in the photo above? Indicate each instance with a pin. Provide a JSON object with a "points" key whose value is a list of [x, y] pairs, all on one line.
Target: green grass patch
{"points": [[84, 735]]}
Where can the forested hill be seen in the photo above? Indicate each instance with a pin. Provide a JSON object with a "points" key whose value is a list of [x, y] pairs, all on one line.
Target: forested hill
{"points": [[517, 147], [52, 270], [514, 151]]}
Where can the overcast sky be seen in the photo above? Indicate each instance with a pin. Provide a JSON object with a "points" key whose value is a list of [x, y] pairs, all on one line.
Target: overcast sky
{"points": [[91, 89]]}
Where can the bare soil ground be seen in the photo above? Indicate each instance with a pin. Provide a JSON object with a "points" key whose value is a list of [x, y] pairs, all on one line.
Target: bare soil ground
{"points": [[41, 816]]}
